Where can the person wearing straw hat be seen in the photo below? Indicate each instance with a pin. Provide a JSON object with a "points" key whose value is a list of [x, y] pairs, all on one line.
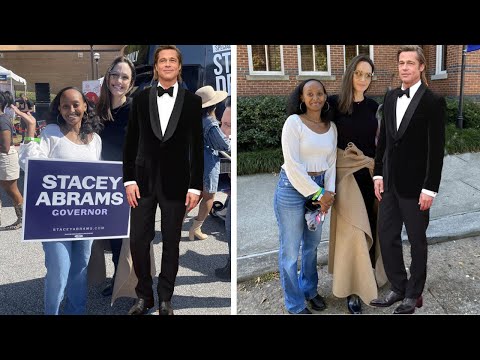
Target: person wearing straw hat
{"points": [[162, 165], [214, 140]]}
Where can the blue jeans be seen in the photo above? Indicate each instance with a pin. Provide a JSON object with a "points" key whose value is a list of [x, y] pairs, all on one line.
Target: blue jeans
{"points": [[66, 263], [290, 213]]}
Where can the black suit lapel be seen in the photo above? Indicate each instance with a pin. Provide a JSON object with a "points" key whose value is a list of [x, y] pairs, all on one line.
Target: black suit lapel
{"points": [[410, 110], [393, 118], [177, 110], [153, 107]]}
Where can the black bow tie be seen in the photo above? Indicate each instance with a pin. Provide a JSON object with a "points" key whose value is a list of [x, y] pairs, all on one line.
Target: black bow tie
{"points": [[162, 91], [404, 92]]}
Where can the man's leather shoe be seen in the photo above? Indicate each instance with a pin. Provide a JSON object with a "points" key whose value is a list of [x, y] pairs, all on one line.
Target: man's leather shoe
{"points": [[408, 305], [165, 308], [140, 307], [224, 272], [317, 303], [354, 304], [304, 311], [391, 298]]}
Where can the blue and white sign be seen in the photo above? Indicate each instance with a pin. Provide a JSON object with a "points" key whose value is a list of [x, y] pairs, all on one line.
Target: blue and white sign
{"points": [[220, 78], [74, 200]]}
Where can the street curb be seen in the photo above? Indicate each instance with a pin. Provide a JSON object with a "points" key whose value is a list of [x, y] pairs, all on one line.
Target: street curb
{"points": [[255, 265]]}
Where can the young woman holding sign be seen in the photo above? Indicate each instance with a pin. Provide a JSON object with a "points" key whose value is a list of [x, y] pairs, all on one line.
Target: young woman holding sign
{"points": [[72, 134]]}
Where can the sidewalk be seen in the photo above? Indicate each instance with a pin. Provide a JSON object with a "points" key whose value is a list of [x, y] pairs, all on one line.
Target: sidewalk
{"points": [[452, 287], [455, 215]]}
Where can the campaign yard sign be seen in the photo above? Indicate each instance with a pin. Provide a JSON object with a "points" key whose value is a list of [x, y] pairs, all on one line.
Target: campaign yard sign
{"points": [[74, 200]]}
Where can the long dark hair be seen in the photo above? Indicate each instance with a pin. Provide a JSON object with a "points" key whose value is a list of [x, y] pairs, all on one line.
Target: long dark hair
{"points": [[9, 97], [104, 105], [345, 98], [294, 101], [90, 122], [3, 101]]}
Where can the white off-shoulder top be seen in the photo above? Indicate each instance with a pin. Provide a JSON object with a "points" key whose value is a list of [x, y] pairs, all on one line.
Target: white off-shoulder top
{"points": [[307, 151], [55, 145]]}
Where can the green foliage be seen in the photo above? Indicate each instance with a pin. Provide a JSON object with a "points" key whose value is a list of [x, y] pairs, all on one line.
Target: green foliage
{"points": [[262, 161], [260, 122], [471, 113], [459, 141], [261, 118], [31, 95]]}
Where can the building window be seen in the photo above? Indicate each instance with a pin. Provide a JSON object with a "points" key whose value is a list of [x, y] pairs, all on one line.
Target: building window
{"points": [[314, 59], [353, 50], [441, 60], [265, 59]]}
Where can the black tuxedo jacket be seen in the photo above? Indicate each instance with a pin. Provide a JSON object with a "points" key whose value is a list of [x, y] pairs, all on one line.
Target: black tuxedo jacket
{"points": [[412, 157], [176, 157]]}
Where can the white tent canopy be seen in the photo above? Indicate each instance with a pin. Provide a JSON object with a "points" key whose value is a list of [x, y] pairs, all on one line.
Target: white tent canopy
{"points": [[12, 79]]}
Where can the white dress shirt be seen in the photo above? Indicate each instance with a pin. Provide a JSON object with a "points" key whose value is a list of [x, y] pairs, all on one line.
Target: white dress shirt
{"points": [[165, 105], [402, 105]]}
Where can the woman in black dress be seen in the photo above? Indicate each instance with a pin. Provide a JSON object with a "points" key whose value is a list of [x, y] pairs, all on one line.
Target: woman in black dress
{"points": [[354, 115], [113, 108]]}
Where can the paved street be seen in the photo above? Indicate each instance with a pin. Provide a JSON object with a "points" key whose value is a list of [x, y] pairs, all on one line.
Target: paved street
{"points": [[452, 287], [197, 290]]}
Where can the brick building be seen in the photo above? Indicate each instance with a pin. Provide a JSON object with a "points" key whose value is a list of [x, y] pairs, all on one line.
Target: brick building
{"points": [[277, 69], [58, 65]]}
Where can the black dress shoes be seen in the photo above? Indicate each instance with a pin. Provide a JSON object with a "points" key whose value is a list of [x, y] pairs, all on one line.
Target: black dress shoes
{"points": [[408, 305], [141, 307], [304, 311], [108, 289], [224, 272], [165, 308], [317, 303], [391, 298], [354, 304]]}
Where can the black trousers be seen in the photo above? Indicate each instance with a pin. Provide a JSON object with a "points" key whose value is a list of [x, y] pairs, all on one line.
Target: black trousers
{"points": [[393, 212], [142, 232], [365, 183]]}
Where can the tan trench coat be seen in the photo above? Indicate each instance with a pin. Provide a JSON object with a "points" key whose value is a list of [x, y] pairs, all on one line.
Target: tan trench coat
{"points": [[350, 233], [126, 280]]}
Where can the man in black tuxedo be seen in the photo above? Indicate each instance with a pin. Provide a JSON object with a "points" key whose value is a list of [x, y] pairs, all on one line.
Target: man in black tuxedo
{"points": [[408, 167], [162, 165]]}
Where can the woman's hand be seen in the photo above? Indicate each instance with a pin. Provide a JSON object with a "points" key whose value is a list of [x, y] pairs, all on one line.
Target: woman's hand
{"points": [[323, 206], [327, 199], [26, 116]]}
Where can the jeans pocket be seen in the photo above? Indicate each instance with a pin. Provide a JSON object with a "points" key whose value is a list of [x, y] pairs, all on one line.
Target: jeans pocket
{"points": [[283, 182]]}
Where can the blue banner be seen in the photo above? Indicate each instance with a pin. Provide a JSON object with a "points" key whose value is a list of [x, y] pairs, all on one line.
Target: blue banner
{"points": [[472, 47], [74, 200]]}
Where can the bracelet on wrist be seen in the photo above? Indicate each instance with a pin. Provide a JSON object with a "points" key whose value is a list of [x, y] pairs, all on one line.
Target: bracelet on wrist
{"points": [[318, 194], [29, 138]]}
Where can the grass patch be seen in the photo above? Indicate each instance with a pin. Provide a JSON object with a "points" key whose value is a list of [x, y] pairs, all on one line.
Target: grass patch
{"points": [[259, 280], [268, 277], [458, 141], [261, 161]]}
